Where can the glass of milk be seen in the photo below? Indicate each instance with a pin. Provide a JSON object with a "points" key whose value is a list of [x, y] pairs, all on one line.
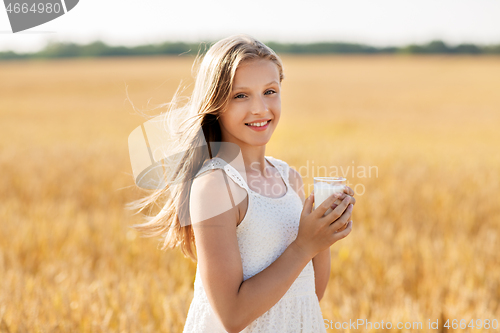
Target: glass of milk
{"points": [[326, 186]]}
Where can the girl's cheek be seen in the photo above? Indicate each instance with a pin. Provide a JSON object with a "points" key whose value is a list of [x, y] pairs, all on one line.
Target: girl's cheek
{"points": [[277, 104]]}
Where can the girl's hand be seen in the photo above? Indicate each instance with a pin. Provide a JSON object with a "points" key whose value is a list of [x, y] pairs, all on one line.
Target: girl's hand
{"points": [[317, 232], [349, 191]]}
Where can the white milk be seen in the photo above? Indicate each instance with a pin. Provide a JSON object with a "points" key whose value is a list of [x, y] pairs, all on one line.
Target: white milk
{"points": [[323, 190]]}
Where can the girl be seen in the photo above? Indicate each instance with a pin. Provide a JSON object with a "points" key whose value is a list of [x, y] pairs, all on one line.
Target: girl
{"points": [[263, 257]]}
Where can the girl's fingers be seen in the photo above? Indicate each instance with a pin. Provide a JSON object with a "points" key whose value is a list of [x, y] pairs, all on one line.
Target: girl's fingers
{"points": [[352, 201], [349, 191], [342, 234], [342, 221], [308, 204], [336, 213], [325, 206]]}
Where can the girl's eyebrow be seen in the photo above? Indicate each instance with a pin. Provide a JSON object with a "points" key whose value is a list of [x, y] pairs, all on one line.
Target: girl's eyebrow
{"points": [[270, 83]]}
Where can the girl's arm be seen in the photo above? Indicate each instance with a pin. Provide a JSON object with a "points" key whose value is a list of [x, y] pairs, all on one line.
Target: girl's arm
{"points": [[321, 262], [235, 302]]}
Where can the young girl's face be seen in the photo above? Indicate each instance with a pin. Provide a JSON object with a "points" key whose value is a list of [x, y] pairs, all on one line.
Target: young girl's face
{"points": [[255, 98]]}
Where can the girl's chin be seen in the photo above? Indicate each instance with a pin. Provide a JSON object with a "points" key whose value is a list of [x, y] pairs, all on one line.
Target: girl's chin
{"points": [[258, 142]]}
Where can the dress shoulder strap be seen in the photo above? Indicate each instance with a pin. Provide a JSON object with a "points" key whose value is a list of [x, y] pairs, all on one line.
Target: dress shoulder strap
{"points": [[210, 164], [281, 165], [218, 163]]}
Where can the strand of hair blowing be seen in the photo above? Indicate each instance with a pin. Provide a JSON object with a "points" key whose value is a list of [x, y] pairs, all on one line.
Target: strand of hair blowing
{"points": [[191, 127]]}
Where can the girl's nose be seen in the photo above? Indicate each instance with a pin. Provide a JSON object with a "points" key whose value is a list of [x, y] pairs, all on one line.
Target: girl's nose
{"points": [[259, 106]]}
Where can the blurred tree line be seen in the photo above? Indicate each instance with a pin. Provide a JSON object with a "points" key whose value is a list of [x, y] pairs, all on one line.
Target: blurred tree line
{"points": [[100, 49]]}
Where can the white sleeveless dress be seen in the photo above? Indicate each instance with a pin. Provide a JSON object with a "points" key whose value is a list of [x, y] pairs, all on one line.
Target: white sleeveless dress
{"points": [[268, 228]]}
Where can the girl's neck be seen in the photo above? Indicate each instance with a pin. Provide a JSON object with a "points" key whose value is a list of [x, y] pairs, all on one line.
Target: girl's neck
{"points": [[253, 159]]}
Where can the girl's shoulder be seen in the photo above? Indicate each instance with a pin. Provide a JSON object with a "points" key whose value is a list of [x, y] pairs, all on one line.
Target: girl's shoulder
{"points": [[210, 164], [220, 166]]}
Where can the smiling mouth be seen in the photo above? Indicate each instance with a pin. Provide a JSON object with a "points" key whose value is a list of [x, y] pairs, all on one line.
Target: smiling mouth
{"points": [[248, 124]]}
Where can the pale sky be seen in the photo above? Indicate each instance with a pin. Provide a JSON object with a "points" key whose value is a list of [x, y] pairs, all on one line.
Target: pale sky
{"points": [[372, 22]]}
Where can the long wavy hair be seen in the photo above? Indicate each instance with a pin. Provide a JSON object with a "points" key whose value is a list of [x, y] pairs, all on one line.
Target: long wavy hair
{"points": [[192, 125]]}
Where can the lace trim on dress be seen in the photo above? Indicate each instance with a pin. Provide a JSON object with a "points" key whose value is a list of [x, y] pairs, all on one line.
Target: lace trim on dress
{"points": [[219, 163]]}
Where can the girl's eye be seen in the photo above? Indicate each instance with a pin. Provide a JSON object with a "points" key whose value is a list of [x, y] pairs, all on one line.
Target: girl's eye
{"points": [[237, 96]]}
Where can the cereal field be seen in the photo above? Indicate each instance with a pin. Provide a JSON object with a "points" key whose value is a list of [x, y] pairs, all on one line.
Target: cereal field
{"points": [[417, 137]]}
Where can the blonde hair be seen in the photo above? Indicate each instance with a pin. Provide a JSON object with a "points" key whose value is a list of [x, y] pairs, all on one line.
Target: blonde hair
{"points": [[211, 93]]}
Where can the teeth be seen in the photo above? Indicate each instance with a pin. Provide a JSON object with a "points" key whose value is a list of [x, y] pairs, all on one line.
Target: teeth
{"points": [[258, 124]]}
